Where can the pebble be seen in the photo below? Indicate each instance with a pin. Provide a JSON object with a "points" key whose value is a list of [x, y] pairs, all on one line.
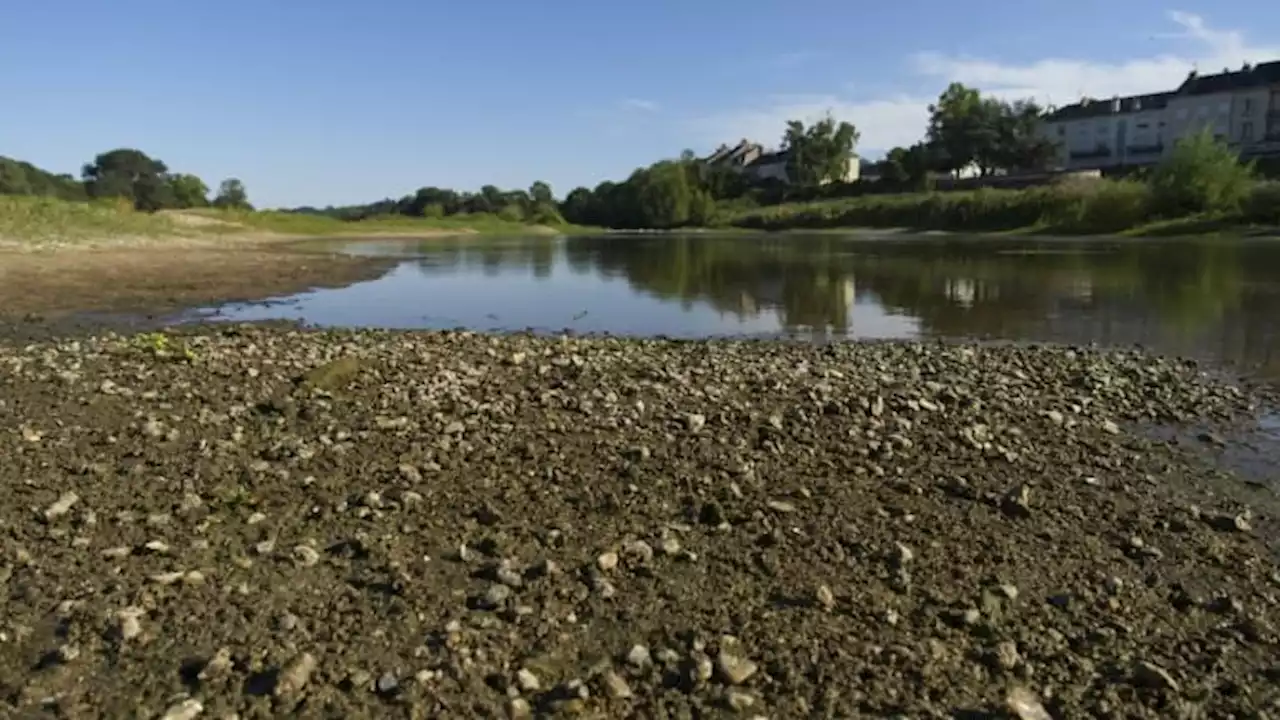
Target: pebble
{"points": [[733, 669], [387, 683], [694, 422], [494, 598], [825, 597], [61, 506], [519, 709], [527, 681], [607, 561], [1150, 675], [1025, 705], [615, 686], [305, 555], [130, 622], [185, 710], [295, 675], [638, 657]]}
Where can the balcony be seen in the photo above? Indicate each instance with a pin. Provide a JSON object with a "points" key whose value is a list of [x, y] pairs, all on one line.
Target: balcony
{"points": [[1094, 154], [1152, 149]]}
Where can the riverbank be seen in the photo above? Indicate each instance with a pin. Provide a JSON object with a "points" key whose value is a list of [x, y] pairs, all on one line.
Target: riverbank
{"points": [[41, 224], [451, 524], [1102, 207], [59, 257]]}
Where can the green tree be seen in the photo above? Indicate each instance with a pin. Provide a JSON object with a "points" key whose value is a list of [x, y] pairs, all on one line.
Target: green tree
{"points": [[130, 174], [663, 196], [961, 127], [13, 178], [232, 195], [819, 153], [1200, 175], [541, 193], [189, 191]]}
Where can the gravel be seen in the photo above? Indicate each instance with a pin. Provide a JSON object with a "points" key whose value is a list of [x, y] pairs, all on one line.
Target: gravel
{"points": [[260, 522]]}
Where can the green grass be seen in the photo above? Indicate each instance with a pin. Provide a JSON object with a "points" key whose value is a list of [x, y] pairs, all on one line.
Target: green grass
{"points": [[28, 221], [41, 221], [1084, 208]]}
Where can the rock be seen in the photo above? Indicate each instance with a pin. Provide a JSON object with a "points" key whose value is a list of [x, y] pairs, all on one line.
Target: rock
{"points": [[217, 666], [331, 376], [387, 683], [519, 709], [607, 561], [825, 598], [781, 506], [1110, 427], [638, 657], [733, 668], [129, 622], [739, 701], [494, 598], [527, 681], [615, 686], [1150, 675], [305, 555], [1007, 656], [411, 474], [185, 710], [61, 506], [639, 552], [902, 555], [1025, 705], [694, 422], [295, 676]]}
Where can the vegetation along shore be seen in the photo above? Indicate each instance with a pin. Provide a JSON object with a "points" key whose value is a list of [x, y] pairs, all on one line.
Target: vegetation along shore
{"points": [[1202, 185], [376, 524]]}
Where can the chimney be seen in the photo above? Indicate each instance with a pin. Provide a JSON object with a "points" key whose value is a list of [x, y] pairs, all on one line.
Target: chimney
{"points": [[1115, 104]]}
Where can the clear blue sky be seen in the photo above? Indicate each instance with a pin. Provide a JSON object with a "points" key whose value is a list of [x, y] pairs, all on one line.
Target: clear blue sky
{"points": [[326, 101]]}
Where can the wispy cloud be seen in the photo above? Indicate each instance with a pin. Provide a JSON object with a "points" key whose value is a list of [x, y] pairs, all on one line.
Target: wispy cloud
{"points": [[648, 106], [900, 119]]}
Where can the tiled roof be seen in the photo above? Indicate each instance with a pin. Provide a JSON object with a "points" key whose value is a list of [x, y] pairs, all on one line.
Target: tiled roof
{"points": [[1267, 73], [1115, 106]]}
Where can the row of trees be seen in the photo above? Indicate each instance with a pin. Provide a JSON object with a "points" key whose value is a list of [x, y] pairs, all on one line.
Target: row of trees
{"points": [[967, 130], [535, 205], [125, 173]]}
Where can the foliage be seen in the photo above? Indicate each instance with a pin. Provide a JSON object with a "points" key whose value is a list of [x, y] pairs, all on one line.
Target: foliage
{"points": [[967, 129], [189, 191], [130, 174], [232, 195], [38, 220], [819, 153], [1200, 175]]}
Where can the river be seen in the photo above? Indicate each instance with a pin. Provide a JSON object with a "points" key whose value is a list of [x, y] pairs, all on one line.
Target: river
{"points": [[1213, 299]]}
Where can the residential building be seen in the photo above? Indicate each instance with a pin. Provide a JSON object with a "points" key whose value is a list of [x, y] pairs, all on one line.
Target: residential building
{"points": [[752, 159], [1240, 107]]}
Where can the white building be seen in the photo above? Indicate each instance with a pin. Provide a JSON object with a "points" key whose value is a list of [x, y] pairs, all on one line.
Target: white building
{"points": [[1240, 107]]}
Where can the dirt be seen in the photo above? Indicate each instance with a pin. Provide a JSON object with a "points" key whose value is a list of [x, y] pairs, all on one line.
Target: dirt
{"points": [[46, 293], [246, 522]]}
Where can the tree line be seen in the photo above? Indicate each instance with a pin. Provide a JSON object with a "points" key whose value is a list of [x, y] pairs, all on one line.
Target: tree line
{"points": [[126, 174]]}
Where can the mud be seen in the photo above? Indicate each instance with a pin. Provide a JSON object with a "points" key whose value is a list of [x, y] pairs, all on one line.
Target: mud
{"points": [[223, 523]]}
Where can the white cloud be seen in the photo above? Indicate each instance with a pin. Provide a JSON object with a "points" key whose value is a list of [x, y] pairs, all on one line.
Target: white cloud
{"points": [[901, 119], [648, 106]]}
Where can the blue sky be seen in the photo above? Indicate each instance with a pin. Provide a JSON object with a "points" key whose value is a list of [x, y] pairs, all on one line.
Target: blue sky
{"points": [[325, 101]]}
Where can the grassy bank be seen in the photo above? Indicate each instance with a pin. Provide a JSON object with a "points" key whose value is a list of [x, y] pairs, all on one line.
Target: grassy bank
{"points": [[1103, 206], [42, 221]]}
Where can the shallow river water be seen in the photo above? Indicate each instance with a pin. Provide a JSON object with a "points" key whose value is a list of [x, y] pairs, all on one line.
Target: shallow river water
{"points": [[1213, 299]]}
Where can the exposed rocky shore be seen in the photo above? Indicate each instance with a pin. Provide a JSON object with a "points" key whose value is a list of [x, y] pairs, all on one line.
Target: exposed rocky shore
{"points": [[254, 523]]}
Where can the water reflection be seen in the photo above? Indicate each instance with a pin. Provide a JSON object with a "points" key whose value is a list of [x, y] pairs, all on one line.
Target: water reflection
{"points": [[1212, 298]]}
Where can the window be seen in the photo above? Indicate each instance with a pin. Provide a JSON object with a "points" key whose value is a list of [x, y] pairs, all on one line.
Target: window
{"points": [[1246, 132], [1142, 126], [1248, 106]]}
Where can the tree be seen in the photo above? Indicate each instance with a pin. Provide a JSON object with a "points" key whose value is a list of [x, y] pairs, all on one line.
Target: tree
{"points": [[541, 193], [819, 153], [188, 191], [663, 196], [232, 195], [960, 127], [129, 174]]}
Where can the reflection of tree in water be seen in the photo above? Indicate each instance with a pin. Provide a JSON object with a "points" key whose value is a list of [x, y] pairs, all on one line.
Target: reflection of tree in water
{"points": [[1215, 297], [798, 278]]}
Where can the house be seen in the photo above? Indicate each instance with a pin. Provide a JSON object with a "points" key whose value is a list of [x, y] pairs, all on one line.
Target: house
{"points": [[752, 159], [1241, 107]]}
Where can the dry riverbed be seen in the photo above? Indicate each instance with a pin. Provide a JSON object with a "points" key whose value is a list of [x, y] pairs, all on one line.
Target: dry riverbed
{"points": [[257, 523]]}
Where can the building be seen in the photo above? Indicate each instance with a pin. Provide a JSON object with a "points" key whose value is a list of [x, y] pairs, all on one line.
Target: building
{"points": [[752, 159], [1240, 107]]}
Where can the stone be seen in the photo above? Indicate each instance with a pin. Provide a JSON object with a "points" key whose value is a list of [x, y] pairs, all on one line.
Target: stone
{"points": [[527, 681], [295, 676], [607, 561], [186, 710], [826, 599], [615, 686], [1151, 675], [733, 668], [638, 657]]}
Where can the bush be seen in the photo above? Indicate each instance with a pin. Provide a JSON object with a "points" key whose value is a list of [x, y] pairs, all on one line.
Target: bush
{"points": [[1202, 175], [1263, 203]]}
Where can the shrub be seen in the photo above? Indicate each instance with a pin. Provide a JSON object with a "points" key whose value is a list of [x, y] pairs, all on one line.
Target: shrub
{"points": [[1263, 203], [1201, 175]]}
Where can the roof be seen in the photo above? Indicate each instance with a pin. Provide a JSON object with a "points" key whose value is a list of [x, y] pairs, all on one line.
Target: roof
{"points": [[1249, 76], [1089, 108]]}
